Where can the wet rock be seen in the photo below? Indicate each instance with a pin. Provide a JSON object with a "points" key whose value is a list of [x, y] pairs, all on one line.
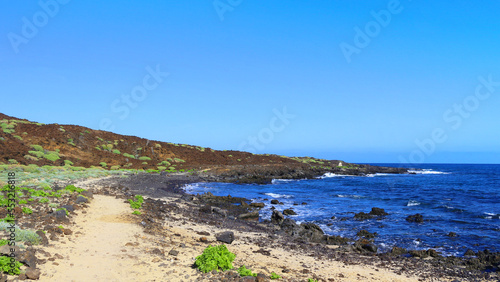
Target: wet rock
{"points": [[311, 232], [289, 212], [362, 216], [378, 212], [257, 205], [452, 234], [366, 234], [226, 237], [304, 203], [370, 248], [336, 240], [333, 217], [424, 253], [275, 202], [397, 251], [418, 218], [469, 252], [277, 217]]}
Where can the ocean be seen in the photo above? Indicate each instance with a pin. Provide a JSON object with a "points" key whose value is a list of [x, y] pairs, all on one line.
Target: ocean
{"points": [[459, 198]]}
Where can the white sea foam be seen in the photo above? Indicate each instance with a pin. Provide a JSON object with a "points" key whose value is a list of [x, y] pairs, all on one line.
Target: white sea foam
{"points": [[277, 196], [412, 203], [427, 171], [348, 196], [275, 181], [329, 175], [378, 174]]}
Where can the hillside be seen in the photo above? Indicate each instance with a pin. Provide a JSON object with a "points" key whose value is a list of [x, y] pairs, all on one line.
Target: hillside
{"points": [[27, 142]]}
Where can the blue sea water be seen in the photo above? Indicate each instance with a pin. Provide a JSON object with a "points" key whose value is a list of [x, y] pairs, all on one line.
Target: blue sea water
{"points": [[460, 198]]}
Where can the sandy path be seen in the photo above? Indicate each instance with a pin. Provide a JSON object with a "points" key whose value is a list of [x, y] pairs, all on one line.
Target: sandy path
{"points": [[99, 252]]}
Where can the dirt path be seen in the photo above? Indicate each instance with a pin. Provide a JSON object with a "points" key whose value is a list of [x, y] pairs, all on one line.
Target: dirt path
{"points": [[100, 253]]}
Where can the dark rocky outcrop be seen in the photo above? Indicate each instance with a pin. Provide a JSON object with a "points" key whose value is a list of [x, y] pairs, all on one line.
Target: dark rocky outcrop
{"points": [[226, 237], [289, 212], [418, 218]]}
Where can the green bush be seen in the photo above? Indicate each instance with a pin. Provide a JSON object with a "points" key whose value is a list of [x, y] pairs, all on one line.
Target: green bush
{"points": [[31, 158], [68, 162], [103, 164], [243, 271], [137, 203], [6, 266], [12, 161], [164, 163], [38, 154], [22, 202], [73, 188], [18, 137], [117, 151], [312, 280], [214, 258], [127, 155], [98, 148], [115, 167], [52, 156], [43, 200], [27, 210], [179, 160], [60, 209], [143, 158], [275, 276], [136, 212]]}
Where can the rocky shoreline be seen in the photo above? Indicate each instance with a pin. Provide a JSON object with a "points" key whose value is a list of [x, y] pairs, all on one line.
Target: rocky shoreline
{"points": [[239, 214]]}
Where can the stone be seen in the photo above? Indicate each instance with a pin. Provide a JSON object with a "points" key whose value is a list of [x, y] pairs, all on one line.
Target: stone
{"points": [[418, 218], [277, 217], [67, 231], [249, 216], [274, 202], [60, 214], [289, 212], [362, 216], [397, 251], [378, 212], [81, 199], [370, 248], [261, 278], [452, 234], [70, 208], [173, 252], [226, 237], [43, 238], [33, 273], [257, 205], [366, 234], [219, 211]]}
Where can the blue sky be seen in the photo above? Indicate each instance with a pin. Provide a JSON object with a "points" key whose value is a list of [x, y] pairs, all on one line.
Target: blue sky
{"points": [[384, 81]]}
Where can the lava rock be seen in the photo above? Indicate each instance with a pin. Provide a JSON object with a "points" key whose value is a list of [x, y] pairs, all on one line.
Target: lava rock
{"points": [[226, 237], [418, 218], [257, 205], [219, 211], [366, 234], [378, 212], [277, 217], [70, 208], [275, 202], [452, 234], [249, 216], [81, 199], [33, 273], [362, 216], [397, 251], [289, 212]]}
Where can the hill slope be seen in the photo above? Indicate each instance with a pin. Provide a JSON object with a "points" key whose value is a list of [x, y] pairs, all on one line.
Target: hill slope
{"points": [[26, 142]]}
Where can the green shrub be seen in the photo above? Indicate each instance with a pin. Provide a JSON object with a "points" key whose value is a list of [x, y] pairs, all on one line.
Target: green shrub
{"points": [[18, 137], [27, 210], [144, 163], [3, 242], [143, 158], [38, 154], [103, 164], [275, 276], [43, 200], [115, 167], [312, 280], [98, 148], [53, 205], [136, 212], [243, 271], [214, 258], [52, 156], [6, 267], [137, 203], [127, 155], [31, 158], [117, 151], [73, 188], [68, 162], [22, 202], [12, 161], [179, 160], [161, 167], [164, 163]]}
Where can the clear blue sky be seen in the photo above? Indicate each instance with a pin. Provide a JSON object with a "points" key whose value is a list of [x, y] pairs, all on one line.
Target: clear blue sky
{"points": [[231, 70]]}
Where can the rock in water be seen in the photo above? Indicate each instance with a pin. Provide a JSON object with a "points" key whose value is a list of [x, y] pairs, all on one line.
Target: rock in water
{"points": [[226, 237], [289, 212], [277, 217], [418, 218]]}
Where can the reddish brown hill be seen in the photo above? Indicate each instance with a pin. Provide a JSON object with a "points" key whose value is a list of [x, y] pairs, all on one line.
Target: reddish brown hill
{"points": [[86, 147]]}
